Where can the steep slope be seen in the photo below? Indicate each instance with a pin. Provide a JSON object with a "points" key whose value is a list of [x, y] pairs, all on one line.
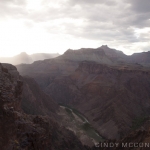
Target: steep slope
{"points": [[35, 101], [136, 140], [21, 131], [27, 59], [44, 72], [141, 58], [110, 97]]}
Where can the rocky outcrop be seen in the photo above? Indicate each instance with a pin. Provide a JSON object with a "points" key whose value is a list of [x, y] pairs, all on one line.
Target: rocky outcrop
{"points": [[22, 131], [34, 100], [10, 88]]}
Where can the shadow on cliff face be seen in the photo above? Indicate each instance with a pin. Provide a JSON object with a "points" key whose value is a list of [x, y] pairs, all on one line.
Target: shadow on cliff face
{"points": [[21, 131]]}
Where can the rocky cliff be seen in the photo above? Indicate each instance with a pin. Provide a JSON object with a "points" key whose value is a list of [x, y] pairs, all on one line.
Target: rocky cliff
{"points": [[22, 131], [136, 140], [35, 101], [110, 97]]}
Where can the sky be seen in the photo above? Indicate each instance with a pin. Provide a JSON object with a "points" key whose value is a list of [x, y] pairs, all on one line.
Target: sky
{"points": [[53, 26]]}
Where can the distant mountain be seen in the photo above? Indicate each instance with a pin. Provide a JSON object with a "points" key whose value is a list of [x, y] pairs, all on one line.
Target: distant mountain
{"points": [[103, 54], [141, 58], [110, 88], [26, 59], [42, 56], [106, 55]]}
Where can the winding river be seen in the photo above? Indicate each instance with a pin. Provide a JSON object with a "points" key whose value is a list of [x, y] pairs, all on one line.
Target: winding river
{"points": [[86, 126]]}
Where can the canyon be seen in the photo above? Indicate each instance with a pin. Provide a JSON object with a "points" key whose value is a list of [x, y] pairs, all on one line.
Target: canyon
{"points": [[102, 85], [22, 131]]}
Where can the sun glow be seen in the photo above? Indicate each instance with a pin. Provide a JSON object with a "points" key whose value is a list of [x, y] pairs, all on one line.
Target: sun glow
{"points": [[19, 38]]}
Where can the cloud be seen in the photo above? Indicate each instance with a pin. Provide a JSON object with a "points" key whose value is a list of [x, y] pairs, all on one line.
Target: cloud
{"points": [[93, 2], [109, 21], [140, 6], [12, 8]]}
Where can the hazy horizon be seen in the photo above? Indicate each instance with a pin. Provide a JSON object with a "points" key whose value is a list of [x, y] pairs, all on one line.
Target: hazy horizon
{"points": [[56, 53], [27, 54], [54, 26]]}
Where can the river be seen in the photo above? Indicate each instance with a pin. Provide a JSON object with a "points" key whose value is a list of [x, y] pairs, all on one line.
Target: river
{"points": [[86, 126]]}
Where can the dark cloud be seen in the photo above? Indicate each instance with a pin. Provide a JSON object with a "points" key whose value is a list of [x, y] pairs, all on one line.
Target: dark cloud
{"points": [[102, 20], [140, 6], [139, 13]]}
